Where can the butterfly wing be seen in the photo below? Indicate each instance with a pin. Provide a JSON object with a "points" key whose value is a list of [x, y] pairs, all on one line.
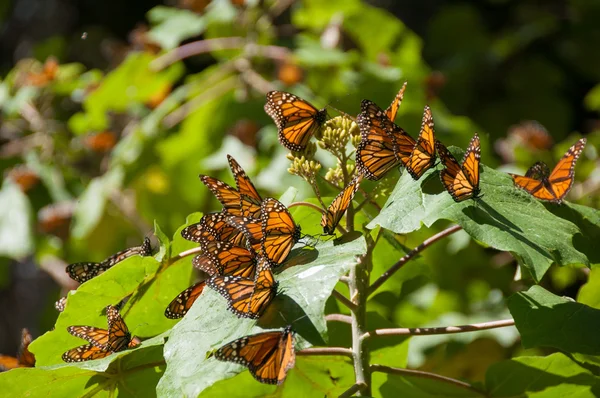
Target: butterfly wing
{"points": [[82, 272], [561, 178], [268, 356], [227, 259], [95, 336], [338, 207], [86, 352], [422, 157], [228, 196], [118, 333], [454, 180], [181, 304], [236, 290], [61, 304], [392, 110], [265, 288], [213, 226], [296, 119], [279, 231], [470, 164], [250, 199], [251, 229]]}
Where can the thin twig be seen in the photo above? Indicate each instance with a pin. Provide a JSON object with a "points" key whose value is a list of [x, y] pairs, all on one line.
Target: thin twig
{"points": [[338, 318], [184, 254], [344, 279], [315, 351], [428, 242], [307, 204], [427, 375], [253, 79], [439, 330], [196, 48], [343, 299], [350, 392]]}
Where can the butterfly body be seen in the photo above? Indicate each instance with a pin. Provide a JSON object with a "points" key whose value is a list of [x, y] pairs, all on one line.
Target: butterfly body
{"points": [[268, 356], [296, 119], [461, 180], [551, 186]]}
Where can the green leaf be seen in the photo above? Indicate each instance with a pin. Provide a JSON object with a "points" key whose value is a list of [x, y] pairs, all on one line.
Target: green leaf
{"points": [[306, 282], [536, 237], [588, 294], [91, 203], [16, 240], [174, 25], [392, 385], [546, 320], [553, 376]]}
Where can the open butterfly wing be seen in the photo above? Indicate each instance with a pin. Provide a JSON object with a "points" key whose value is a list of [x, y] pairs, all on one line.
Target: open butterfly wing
{"points": [[250, 199], [227, 259], [181, 304], [96, 336], [392, 110], [251, 229], [228, 196], [236, 290], [279, 231], [86, 352], [422, 157], [296, 119], [338, 207], [213, 226]]}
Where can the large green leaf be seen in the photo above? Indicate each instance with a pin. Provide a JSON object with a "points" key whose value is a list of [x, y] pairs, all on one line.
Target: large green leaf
{"points": [[418, 387], [553, 376], [505, 218], [173, 25], [546, 320], [15, 222], [305, 283]]}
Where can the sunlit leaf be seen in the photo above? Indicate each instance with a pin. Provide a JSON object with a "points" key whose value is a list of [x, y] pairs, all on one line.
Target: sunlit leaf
{"points": [[15, 222]]}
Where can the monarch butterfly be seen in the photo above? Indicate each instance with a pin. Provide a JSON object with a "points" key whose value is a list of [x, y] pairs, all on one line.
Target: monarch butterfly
{"points": [[181, 304], [279, 231], [551, 186], [224, 258], [250, 199], [24, 359], [227, 195], [251, 228], [422, 157], [461, 181], [102, 342], [82, 272], [213, 226], [247, 298], [268, 356], [61, 304], [338, 207], [392, 110], [296, 119], [383, 144]]}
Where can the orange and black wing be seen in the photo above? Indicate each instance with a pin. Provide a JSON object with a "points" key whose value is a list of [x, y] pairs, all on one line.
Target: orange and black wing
{"points": [[96, 336], [251, 229], [213, 226], [338, 207], [61, 304], [268, 356], [236, 290], [280, 232], [181, 304], [82, 272], [392, 110], [554, 187], [422, 157], [86, 352], [265, 288], [461, 181], [118, 333], [296, 119], [25, 357], [224, 258], [228, 196], [250, 199]]}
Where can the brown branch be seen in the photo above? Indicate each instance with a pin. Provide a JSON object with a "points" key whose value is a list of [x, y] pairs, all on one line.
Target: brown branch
{"points": [[427, 375], [307, 204], [350, 392], [317, 351], [338, 318], [196, 48], [344, 300], [428, 242], [439, 330]]}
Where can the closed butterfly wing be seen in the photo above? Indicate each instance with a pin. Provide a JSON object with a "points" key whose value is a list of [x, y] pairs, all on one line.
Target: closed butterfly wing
{"points": [[250, 199], [83, 272], [213, 226], [61, 304], [94, 335], [338, 207], [268, 356], [86, 352], [422, 157], [461, 181], [119, 337], [280, 232], [553, 187], [181, 304], [226, 259], [296, 119], [228, 196], [25, 357], [392, 110]]}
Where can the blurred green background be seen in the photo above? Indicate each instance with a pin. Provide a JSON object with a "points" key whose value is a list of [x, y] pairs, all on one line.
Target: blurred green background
{"points": [[110, 110]]}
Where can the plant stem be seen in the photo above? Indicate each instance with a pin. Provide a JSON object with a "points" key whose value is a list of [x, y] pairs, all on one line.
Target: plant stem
{"points": [[428, 242], [359, 284], [439, 330], [190, 252], [315, 351], [350, 392], [338, 318], [344, 300], [307, 204], [419, 373]]}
